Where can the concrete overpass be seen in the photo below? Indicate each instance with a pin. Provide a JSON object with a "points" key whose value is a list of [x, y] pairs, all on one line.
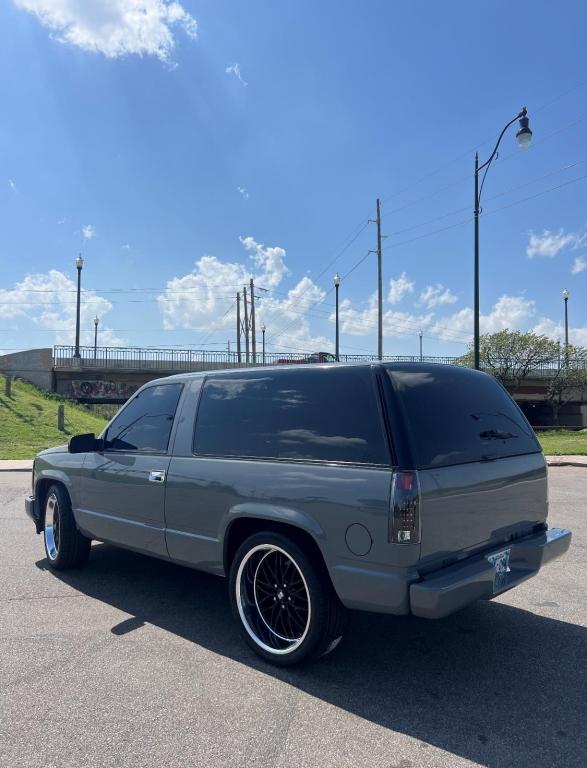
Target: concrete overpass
{"points": [[113, 374]]}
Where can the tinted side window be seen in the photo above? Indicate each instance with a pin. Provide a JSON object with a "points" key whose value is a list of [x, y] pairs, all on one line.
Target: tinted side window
{"points": [[327, 415], [455, 416], [145, 424]]}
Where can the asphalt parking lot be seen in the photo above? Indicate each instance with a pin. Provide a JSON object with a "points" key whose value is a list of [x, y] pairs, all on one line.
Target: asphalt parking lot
{"points": [[136, 662]]}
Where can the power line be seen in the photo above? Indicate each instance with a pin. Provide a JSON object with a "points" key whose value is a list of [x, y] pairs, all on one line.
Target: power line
{"points": [[478, 146], [463, 179], [538, 194], [493, 197], [342, 250], [470, 219], [452, 226]]}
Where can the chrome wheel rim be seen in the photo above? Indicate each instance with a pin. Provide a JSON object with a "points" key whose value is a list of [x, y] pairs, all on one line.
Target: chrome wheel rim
{"points": [[52, 527], [273, 599]]}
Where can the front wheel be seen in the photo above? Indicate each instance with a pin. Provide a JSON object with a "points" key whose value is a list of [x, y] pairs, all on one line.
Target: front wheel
{"points": [[65, 546], [284, 602]]}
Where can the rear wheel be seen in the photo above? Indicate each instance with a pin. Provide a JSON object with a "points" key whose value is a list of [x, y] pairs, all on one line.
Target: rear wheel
{"points": [[65, 546], [284, 603]]}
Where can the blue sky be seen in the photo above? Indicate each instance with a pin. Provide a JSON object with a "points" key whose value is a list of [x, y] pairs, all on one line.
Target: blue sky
{"points": [[191, 145]]}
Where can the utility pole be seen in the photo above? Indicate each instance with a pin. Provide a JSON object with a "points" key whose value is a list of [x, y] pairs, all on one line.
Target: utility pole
{"points": [[476, 336], [379, 287], [246, 324], [238, 328], [377, 221], [336, 334], [253, 335]]}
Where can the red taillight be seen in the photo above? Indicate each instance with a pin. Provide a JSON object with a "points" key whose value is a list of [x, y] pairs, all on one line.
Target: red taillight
{"points": [[404, 521], [406, 481]]}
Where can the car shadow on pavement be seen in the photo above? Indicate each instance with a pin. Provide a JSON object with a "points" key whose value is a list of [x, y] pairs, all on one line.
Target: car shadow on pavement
{"points": [[494, 684]]}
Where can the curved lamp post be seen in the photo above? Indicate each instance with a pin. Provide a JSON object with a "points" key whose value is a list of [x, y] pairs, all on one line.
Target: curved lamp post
{"points": [[79, 263], [336, 280], [524, 136]]}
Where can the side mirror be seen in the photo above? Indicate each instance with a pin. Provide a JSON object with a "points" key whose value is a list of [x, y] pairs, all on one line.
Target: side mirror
{"points": [[86, 443]]}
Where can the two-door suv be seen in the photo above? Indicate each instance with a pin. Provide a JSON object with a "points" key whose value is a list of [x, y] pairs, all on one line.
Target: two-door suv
{"points": [[397, 488]]}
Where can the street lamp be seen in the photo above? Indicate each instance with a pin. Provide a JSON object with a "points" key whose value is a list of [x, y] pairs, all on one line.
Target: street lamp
{"points": [[523, 136], [263, 329], [96, 321], [566, 300], [79, 263], [336, 343], [420, 334]]}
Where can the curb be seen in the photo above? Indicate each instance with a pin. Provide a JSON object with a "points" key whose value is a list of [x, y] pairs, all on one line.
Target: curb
{"points": [[16, 465], [16, 469]]}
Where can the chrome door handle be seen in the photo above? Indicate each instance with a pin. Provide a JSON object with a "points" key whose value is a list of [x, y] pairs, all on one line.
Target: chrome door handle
{"points": [[157, 476]]}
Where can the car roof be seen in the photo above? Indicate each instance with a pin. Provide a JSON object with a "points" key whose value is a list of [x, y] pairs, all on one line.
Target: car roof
{"points": [[315, 367]]}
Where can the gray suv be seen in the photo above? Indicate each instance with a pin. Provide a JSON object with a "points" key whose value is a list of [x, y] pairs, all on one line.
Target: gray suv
{"points": [[394, 488]]}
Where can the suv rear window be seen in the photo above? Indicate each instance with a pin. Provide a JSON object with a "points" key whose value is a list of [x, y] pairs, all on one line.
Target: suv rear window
{"points": [[455, 416], [328, 414]]}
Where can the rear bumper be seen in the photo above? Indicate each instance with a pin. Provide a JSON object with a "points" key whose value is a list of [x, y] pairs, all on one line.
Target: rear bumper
{"points": [[446, 591], [31, 507]]}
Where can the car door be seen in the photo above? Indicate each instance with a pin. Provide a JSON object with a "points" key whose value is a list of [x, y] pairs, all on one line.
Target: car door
{"points": [[122, 488]]}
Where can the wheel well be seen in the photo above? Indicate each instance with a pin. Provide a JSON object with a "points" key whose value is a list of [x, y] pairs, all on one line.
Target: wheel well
{"points": [[244, 527], [41, 490]]}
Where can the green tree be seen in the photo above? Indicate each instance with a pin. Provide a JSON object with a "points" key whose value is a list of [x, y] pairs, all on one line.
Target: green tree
{"points": [[511, 356], [567, 382]]}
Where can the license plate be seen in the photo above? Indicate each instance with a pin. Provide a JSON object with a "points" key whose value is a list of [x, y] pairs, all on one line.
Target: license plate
{"points": [[501, 564]]}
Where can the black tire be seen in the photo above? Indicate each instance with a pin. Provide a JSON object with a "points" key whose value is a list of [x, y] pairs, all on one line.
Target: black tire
{"points": [[65, 546], [297, 634]]}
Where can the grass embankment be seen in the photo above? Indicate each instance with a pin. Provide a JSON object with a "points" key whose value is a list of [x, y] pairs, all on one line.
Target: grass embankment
{"points": [[563, 442], [28, 421]]}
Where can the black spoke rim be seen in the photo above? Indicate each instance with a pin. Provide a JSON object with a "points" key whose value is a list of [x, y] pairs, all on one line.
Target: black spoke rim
{"points": [[273, 599]]}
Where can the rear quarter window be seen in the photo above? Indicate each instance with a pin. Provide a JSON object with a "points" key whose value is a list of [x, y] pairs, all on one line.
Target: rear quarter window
{"points": [[456, 416], [317, 414]]}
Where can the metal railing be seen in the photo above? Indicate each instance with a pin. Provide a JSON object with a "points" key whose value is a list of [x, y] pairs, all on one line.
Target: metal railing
{"points": [[171, 360]]}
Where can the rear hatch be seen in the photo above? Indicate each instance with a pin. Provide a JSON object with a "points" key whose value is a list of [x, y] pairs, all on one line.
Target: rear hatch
{"points": [[482, 473]]}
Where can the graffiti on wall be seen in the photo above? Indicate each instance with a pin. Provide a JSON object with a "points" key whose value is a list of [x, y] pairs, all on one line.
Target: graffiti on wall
{"points": [[103, 390]]}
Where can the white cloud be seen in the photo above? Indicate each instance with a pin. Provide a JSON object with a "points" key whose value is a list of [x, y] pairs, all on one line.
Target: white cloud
{"points": [[49, 300], [205, 298], [12, 185], [243, 192], [115, 27], [88, 231], [235, 69], [399, 288], [579, 265], [363, 322], [270, 260], [435, 295], [511, 312], [549, 243], [125, 247], [554, 330]]}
